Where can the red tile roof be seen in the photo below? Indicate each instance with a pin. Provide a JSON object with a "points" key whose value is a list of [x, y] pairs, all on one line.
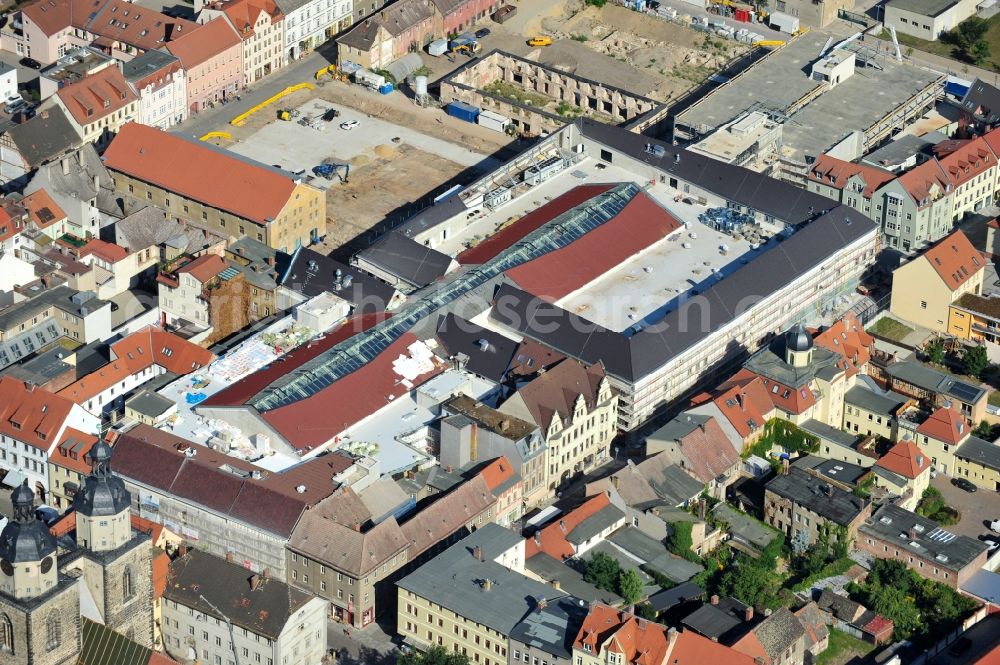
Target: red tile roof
{"points": [[143, 525], [497, 472], [204, 268], [918, 182], [42, 209], [835, 173], [641, 223], [905, 459], [204, 42], [248, 386], [108, 251], [65, 525], [641, 642], [947, 425], [161, 566], [850, 339], [707, 452], [509, 235], [135, 353], [743, 403], [210, 176], [967, 160], [955, 259], [63, 454], [31, 415], [347, 401], [786, 398], [552, 539], [244, 13], [96, 96], [694, 649]]}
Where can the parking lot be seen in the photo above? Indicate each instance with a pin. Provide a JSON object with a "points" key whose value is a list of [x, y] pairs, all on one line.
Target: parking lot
{"points": [[977, 508]]}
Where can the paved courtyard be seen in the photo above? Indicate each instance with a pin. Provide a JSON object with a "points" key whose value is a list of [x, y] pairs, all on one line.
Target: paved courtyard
{"points": [[977, 508]]}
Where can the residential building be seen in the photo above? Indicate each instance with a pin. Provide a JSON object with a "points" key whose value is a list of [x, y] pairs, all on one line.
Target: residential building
{"points": [[309, 23], [227, 506], [55, 312], [160, 82], [927, 19], [135, 361], [939, 437], [978, 461], [917, 208], [69, 464], [576, 412], [212, 58], [309, 274], [184, 296], [972, 167], [219, 190], [576, 532], [547, 634], [854, 618], [257, 262], [150, 409], [259, 25], [33, 423], [81, 186], [975, 318], [924, 289], [905, 472], [741, 408], [848, 183], [698, 445], [932, 388], [76, 65], [800, 505], [219, 610], [981, 104], [786, 637], [871, 413], [8, 81], [116, 270], [378, 39], [486, 597], [44, 215], [460, 15], [98, 105], [927, 549], [810, 14], [26, 146], [46, 31]]}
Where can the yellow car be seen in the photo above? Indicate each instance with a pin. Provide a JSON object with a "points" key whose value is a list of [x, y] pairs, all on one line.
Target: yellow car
{"points": [[540, 41]]}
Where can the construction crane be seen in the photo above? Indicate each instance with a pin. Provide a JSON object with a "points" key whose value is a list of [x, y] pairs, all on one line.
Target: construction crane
{"points": [[895, 42], [229, 624]]}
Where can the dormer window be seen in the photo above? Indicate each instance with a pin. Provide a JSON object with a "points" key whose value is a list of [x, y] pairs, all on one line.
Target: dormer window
{"points": [[107, 103]]}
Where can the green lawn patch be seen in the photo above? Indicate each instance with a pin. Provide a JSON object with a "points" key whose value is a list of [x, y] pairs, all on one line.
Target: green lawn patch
{"points": [[994, 398], [837, 567], [843, 648], [890, 329]]}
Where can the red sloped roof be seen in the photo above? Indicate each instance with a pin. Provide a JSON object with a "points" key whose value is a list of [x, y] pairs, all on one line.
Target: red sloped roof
{"points": [[835, 173], [42, 209], [62, 455], [346, 401], [919, 181], [96, 96], [641, 223], [850, 339], [945, 424], [955, 259], [498, 242], [248, 386], [108, 251], [639, 641], [708, 452], [905, 459], [552, 539], [968, 159], [694, 649], [204, 42], [743, 402], [161, 566], [210, 176], [31, 415], [203, 268], [497, 472]]}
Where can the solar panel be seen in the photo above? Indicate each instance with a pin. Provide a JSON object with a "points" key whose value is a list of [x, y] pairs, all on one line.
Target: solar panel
{"points": [[964, 391]]}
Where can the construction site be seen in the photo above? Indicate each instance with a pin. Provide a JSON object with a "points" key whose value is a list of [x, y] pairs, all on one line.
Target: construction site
{"points": [[819, 89]]}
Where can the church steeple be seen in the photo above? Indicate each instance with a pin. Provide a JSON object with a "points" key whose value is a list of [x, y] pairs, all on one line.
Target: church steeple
{"points": [[27, 550], [102, 505]]}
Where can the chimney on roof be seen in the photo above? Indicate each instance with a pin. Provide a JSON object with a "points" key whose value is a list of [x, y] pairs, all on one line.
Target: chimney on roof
{"points": [[714, 599], [556, 585], [266, 574], [64, 162], [748, 614], [477, 552], [541, 603], [702, 508], [671, 637], [229, 557], [487, 584], [504, 425], [45, 114], [614, 481], [255, 581], [356, 526], [29, 387], [784, 466], [913, 533], [759, 660]]}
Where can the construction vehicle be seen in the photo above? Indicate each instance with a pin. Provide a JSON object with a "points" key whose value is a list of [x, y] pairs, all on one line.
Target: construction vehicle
{"points": [[284, 115], [331, 114], [770, 43], [541, 40], [328, 169], [469, 49]]}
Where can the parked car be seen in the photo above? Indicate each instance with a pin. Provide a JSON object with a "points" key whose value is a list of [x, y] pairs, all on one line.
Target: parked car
{"points": [[482, 32], [995, 526], [963, 484], [991, 543], [349, 124], [540, 41], [30, 63], [15, 106]]}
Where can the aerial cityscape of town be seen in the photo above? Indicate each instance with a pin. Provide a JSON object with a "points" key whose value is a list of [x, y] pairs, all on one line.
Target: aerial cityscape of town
{"points": [[499, 332]]}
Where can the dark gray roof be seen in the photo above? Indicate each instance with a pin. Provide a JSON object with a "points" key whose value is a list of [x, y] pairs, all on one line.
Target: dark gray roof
{"points": [[675, 485], [198, 577], [289, 6], [454, 579], [869, 400], [930, 379], [45, 137], [25, 538], [406, 259], [101, 494], [818, 496], [101, 645], [983, 96], [31, 340], [828, 433], [150, 404], [841, 607], [42, 368], [843, 472], [631, 357], [571, 581], [654, 554], [898, 151], [715, 621], [664, 600], [903, 528], [981, 452], [679, 427], [745, 527], [770, 362], [310, 274], [396, 18], [922, 7], [593, 525], [489, 352], [553, 628], [146, 64]]}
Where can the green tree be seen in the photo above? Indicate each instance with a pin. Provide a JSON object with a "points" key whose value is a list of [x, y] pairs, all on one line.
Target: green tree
{"points": [[984, 431], [893, 603], [436, 655], [646, 611], [935, 352], [975, 361], [751, 584], [603, 572], [980, 51], [630, 586]]}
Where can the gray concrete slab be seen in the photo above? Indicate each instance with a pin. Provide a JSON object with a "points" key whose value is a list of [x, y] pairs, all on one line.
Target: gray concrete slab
{"points": [[977, 508]]}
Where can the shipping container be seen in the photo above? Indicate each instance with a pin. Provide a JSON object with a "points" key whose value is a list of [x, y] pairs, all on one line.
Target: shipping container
{"points": [[504, 13], [438, 47], [370, 79], [463, 111], [743, 15], [784, 22], [385, 88], [492, 120]]}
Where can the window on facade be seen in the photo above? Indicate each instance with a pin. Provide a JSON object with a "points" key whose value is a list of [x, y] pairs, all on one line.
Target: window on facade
{"points": [[128, 590], [6, 635], [53, 631]]}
